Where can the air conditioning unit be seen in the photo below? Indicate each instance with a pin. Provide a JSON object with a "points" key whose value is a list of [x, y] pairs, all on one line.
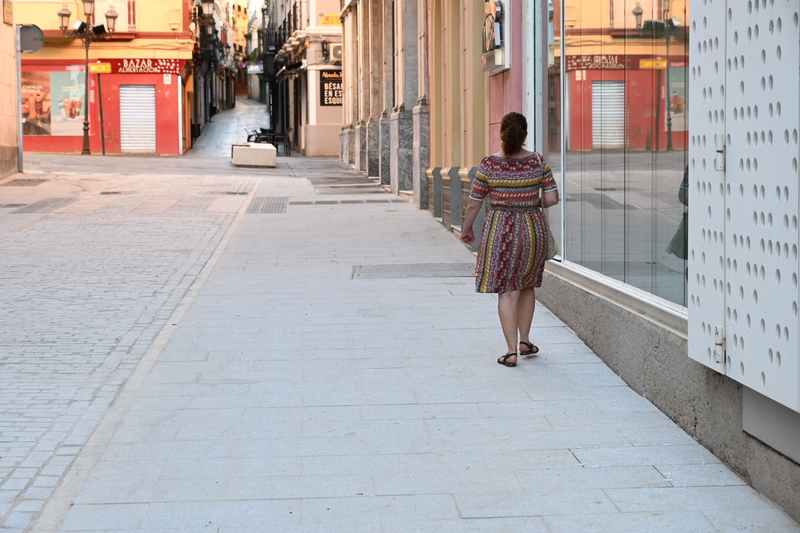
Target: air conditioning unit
{"points": [[336, 53]]}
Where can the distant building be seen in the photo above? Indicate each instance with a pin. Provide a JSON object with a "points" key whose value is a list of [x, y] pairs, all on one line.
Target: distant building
{"points": [[170, 68], [303, 67]]}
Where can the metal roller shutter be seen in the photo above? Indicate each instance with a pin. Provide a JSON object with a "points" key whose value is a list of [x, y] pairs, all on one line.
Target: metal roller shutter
{"points": [[608, 114], [137, 105]]}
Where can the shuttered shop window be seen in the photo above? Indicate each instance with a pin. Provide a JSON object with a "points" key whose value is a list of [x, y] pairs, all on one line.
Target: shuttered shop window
{"points": [[608, 114], [138, 119]]}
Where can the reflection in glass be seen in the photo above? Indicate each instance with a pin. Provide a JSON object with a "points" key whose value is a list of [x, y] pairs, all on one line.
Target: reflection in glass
{"points": [[624, 130]]}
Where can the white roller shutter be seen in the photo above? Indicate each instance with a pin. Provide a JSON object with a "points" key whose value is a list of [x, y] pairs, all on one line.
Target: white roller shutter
{"points": [[137, 104], [608, 114]]}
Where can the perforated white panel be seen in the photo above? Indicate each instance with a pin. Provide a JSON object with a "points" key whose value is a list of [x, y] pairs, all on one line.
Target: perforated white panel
{"points": [[755, 79], [706, 186]]}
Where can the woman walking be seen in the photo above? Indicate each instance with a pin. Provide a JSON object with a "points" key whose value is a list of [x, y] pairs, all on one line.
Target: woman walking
{"points": [[511, 257]]}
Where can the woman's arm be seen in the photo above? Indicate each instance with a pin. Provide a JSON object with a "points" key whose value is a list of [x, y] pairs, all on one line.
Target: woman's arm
{"points": [[550, 198], [470, 214]]}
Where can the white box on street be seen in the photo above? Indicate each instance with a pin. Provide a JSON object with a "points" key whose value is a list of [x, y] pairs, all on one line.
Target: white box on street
{"points": [[254, 155]]}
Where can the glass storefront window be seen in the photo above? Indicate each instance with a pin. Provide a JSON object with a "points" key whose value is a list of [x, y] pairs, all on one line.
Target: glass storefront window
{"points": [[618, 130]]}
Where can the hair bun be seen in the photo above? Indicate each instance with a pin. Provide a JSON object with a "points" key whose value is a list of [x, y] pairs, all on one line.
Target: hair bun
{"points": [[513, 131]]}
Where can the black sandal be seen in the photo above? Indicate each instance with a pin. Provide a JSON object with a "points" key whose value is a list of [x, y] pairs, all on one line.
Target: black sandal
{"points": [[532, 348], [503, 360]]}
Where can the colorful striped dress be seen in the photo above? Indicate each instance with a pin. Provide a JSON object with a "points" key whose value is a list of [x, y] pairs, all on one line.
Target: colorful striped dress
{"points": [[514, 240]]}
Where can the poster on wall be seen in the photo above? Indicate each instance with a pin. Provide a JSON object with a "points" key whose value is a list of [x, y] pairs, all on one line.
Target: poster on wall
{"points": [[330, 82], [68, 91], [676, 98], [52, 103], [36, 103]]}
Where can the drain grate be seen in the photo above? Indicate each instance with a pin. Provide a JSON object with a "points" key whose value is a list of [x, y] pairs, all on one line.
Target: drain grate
{"points": [[414, 270], [23, 183], [268, 204], [47, 205], [343, 202]]}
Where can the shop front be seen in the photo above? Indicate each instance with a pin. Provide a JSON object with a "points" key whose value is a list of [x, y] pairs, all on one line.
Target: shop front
{"points": [[136, 106]]}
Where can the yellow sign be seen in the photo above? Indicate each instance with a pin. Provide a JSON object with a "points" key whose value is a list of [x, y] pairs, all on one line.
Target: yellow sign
{"points": [[100, 68], [329, 19], [8, 12], [653, 64]]}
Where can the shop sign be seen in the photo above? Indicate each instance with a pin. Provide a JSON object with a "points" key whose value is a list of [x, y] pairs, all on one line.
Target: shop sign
{"points": [[653, 64], [330, 82], [597, 62], [330, 19], [146, 66], [8, 12], [100, 68]]}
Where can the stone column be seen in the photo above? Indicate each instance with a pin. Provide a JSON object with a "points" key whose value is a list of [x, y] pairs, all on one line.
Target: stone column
{"points": [[360, 146], [364, 84], [446, 197], [375, 106], [385, 150], [434, 176], [421, 113], [456, 196], [421, 156], [402, 155], [349, 86], [406, 91], [388, 69]]}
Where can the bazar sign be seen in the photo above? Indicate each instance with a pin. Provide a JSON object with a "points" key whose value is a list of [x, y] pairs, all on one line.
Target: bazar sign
{"points": [[597, 62], [146, 66]]}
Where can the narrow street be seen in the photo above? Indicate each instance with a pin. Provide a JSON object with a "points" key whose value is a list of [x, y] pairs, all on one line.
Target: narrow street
{"points": [[189, 346]]}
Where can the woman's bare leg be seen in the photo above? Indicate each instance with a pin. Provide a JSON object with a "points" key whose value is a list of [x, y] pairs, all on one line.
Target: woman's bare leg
{"points": [[507, 308], [525, 309]]}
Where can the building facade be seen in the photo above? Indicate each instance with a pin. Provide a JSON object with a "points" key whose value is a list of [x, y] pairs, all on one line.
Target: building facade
{"points": [[142, 103], [303, 70], [9, 114], [677, 230], [168, 67], [384, 95]]}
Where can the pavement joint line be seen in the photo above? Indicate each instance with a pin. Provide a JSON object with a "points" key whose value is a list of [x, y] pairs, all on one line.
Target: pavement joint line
{"points": [[45, 216], [56, 508]]}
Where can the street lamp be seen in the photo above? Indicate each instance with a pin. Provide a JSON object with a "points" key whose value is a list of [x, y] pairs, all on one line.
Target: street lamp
{"points": [[670, 23], [87, 32], [208, 7], [638, 12]]}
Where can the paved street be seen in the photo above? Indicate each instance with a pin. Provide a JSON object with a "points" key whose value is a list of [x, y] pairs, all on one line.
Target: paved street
{"points": [[187, 346]]}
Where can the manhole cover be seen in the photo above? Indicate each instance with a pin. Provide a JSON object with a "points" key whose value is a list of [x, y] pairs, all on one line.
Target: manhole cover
{"points": [[414, 270], [23, 183], [268, 204], [350, 190]]}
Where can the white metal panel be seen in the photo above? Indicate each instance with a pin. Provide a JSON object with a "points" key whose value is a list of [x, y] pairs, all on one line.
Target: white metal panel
{"points": [[743, 221], [706, 284], [608, 114], [137, 105], [763, 81]]}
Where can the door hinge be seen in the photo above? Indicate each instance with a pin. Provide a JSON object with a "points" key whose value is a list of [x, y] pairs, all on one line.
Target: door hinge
{"points": [[719, 144], [719, 344]]}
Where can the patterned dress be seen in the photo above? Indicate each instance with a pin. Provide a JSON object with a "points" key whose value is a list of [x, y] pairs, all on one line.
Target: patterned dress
{"points": [[514, 239]]}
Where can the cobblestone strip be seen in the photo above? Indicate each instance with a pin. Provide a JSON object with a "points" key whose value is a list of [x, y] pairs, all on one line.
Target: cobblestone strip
{"points": [[82, 296]]}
